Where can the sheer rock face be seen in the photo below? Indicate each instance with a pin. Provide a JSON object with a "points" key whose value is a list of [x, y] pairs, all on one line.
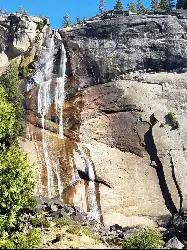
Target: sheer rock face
{"points": [[106, 49], [124, 76], [131, 74]]}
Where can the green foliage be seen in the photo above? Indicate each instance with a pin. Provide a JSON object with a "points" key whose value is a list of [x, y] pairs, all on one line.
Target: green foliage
{"points": [[44, 20], [74, 229], [6, 242], [7, 119], [118, 8], [41, 24], [66, 22], [162, 125], [19, 240], [101, 6], [164, 5], [132, 7], [139, 6], [40, 221], [87, 231], [181, 4], [154, 5], [148, 239], [25, 72], [31, 240], [11, 84], [16, 175], [173, 120], [78, 21], [16, 181], [60, 222]]}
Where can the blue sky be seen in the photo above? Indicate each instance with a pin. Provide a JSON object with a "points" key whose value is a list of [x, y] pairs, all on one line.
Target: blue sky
{"points": [[56, 9]]}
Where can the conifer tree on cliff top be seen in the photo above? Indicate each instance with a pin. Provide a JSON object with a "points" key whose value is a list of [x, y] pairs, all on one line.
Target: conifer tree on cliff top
{"points": [[118, 6], [181, 4], [66, 22], [132, 7], [101, 6], [139, 6], [154, 5], [167, 5], [164, 5]]}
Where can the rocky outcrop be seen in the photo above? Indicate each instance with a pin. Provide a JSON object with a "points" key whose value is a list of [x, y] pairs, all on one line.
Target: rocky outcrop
{"points": [[21, 37]]}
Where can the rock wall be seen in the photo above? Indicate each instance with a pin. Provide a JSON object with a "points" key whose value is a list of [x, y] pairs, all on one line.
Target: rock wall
{"points": [[121, 158], [130, 72]]}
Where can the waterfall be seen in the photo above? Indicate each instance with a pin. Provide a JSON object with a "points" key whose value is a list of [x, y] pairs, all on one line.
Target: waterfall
{"points": [[60, 92], [94, 210], [43, 77]]}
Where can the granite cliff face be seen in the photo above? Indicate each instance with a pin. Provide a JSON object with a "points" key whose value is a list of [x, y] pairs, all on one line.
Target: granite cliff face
{"points": [[106, 143]]}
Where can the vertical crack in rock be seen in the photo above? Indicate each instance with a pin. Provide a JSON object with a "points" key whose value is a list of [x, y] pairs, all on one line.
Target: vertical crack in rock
{"points": [[175, 180], [152, 151]]}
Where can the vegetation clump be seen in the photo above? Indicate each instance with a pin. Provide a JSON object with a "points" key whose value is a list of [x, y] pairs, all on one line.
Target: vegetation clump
{"points": [[11, 84], [41, 24], [60, 222], [16, 174], [173, 120], [25, 72], [148, 239], [40, 221]]}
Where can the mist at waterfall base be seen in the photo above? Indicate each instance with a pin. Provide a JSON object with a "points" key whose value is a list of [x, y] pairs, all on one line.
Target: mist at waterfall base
{"points": [[49, 94]]}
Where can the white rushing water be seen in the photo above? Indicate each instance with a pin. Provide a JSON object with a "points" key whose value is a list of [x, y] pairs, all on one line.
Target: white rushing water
{"points": [[94, 210], [43, 77], [60, 91]]}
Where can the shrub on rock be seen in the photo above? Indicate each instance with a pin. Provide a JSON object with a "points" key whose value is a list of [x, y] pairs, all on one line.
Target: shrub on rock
{"points": [[148, 239]]}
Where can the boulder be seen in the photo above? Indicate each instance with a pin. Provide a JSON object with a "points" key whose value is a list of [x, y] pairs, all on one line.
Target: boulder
{"points": [[174, 243]]}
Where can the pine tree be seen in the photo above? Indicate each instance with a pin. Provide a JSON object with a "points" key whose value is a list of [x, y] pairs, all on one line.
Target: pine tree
{"points": [[154, 5], [139, 6], [180, 4], [118, 8], [66, 21], [78, 20], [102, 6], [164, 5], [132, 7]]}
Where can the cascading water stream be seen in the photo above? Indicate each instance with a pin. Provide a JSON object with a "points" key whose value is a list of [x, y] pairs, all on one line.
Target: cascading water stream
{"points": [[43, 77], [94, 210], [60, 91]]}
